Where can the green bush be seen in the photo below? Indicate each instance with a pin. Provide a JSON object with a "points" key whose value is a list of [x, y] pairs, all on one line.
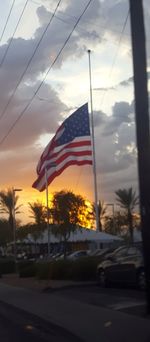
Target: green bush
{"points": [[81, 269], [44, 270], [7, 266], [84, 269], [62, 269], [54, 270], [26, 269]]}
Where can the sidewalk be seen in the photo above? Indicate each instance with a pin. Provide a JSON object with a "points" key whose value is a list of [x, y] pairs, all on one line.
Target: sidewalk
{"points": [[40, 285], [90, 323]]}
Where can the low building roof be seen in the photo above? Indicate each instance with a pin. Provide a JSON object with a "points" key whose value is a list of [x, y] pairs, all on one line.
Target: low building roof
{"points": [[81, 234]]}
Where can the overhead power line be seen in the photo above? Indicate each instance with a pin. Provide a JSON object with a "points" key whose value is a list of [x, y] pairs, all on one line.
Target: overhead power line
{"points": [[46, 74], [116, 54], [11, 39], [9, 14], [29, 62]]}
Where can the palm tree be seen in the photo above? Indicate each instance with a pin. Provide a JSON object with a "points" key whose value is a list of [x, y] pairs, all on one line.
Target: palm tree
{"points": [[101, 212], [38, 212], [128, 199], [8, 202]]}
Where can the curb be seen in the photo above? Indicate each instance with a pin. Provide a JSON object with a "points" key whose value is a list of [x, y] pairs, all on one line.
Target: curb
{"points": [[66, 287]]}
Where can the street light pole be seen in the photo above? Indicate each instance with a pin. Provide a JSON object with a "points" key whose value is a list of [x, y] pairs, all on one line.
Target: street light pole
{"points": [[14, 223]]}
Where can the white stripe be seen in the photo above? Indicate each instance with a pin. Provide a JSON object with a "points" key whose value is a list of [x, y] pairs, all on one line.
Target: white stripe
{"points": [[61, 147], [76, 140], [60, 166], [126, 305], [71, 149]]}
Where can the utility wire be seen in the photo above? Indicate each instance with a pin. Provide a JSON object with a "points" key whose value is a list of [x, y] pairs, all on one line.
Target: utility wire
{"points": [[46, 74], [11, 39], [29, 62], [9, 14], [116, 54]]}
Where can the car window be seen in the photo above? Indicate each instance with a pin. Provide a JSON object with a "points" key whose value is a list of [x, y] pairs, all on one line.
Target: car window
{"points": [[120, 253], [134, 251]]}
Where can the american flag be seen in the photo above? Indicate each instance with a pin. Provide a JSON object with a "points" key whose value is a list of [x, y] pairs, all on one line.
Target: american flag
{"points": [[71, 145]]}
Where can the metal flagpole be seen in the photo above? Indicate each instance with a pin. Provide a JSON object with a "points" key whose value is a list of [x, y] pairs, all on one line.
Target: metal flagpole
{"points": [[48, 227], [93, 144]]}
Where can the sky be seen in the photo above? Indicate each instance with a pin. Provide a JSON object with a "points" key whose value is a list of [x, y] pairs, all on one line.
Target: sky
{"points": [[105, 30]]}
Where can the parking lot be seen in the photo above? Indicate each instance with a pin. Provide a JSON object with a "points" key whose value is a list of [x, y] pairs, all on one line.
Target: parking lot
{"points": [[120, 299]]}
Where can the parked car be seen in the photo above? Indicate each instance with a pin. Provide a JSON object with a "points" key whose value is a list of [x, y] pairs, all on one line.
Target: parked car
{"points": [[125, 266], [77, 255]]}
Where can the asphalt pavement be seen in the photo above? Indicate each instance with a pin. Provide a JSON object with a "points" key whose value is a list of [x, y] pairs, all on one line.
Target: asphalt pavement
{"points": [[126, 300], [68, 316], [17, 325]]}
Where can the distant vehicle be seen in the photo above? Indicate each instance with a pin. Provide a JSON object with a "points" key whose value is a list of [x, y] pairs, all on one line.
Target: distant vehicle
{"points": [[98, 252], [124, 266], [61, 256], [78, 254]]}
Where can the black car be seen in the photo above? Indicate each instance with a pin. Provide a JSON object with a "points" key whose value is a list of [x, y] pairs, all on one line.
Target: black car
{"points": [[125, 266]]}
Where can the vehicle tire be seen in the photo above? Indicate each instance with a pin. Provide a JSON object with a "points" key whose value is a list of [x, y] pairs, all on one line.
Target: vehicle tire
{"points": [[141, 281], [101, 277]]}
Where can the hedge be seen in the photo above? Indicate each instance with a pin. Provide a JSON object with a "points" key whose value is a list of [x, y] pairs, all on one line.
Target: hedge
{"points": [[26, 269], [81, 269], [7, 266]]}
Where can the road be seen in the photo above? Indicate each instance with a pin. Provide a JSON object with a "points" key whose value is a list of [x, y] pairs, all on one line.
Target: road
{"points": [[17, 325], [120, 299]]}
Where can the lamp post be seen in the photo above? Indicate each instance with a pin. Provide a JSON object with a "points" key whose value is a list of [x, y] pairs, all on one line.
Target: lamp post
{"points": [[14, 221]]}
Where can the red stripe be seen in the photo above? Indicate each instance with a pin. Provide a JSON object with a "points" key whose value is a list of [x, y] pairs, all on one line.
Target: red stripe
{"points": [[57, 173], [70, 145], [69, 154]]}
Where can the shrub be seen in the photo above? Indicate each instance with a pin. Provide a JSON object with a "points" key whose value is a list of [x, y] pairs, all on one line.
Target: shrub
{"points": [[7, 266], [54, 269], [62, 269], [44, 270], [81, 269], [84, 269], [26, 269]]}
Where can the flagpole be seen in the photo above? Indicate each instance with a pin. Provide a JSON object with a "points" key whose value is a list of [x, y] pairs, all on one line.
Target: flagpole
{"points": [[48, 227], [93, 143]]}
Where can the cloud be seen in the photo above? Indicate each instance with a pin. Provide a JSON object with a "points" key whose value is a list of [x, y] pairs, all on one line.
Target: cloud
{"points": [[104, 89], [120, 114], [41, 118], [17, 59], [130, 80], [127, 82], [114, 135]]}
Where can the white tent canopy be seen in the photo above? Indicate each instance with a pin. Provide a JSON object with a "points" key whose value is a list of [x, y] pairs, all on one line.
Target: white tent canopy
{"points": [[82, 234]]}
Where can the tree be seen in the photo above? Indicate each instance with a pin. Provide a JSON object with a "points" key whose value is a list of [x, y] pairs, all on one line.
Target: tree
{"points": [[67, 211], [128, 199], [38, 214], [23, 231], [6, 233], [116, 225], [8, 202], [101, 212]]}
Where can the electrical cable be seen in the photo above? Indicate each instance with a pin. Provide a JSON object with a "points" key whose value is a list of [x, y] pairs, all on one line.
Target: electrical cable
{"points": [[29, 62], [44, 78], [115, 57], [9, 14], [11, 39]]}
